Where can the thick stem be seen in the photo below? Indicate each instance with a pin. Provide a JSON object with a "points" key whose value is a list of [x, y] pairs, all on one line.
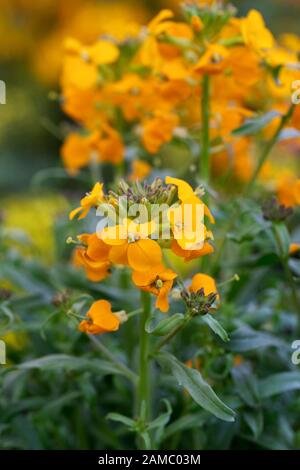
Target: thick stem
{"points": [[268, 147], [144, 399], [205, 148]]}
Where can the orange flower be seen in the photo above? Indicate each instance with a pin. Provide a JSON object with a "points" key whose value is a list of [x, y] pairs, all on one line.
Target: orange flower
{"points": [[131, 246], [213, 60], [156, 51], [105, 145], [83, 106], [294, 248], [140, 170], [81, 62], [110, 147], [288, 191], [205, 282], [237, 360], [93, 257], [90, 200], [78, 151], [189, 255], [158, 130], [158, 281], [197, 24], [101, 319]]}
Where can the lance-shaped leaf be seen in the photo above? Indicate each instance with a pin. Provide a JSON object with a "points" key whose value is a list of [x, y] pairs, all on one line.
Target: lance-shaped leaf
{"points": [[194, 383], [215, 326]]}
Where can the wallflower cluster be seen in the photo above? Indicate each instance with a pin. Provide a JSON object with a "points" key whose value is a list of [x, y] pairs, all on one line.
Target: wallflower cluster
{"points": [[139, 244], [145, 91]]}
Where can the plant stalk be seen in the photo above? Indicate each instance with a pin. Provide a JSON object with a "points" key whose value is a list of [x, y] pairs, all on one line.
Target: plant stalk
{"points": [[143, 392], [205, 148], [268, 147]]}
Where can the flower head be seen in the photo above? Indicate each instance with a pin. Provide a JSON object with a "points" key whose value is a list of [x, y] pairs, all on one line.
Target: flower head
{"points": [[92, 199], [100, 319], [158, 281]]}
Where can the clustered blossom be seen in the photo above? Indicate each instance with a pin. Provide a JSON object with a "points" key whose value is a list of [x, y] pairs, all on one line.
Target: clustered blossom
{"points": [[139, 245], [145, 89]]}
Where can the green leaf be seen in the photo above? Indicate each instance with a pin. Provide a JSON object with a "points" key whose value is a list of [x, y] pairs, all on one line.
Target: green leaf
{"points": [[252, 126], [166, 325], [279, 383], [184, 423], [163, 419], [245, 384], [199, 390], [255, 421], [246, 339], [130, 423], [63, 361], [57, 405], [215, 326], [282, 239]]}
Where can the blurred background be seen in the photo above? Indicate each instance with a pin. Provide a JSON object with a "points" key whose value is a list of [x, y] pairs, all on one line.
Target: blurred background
{"points": [[31, 37]]}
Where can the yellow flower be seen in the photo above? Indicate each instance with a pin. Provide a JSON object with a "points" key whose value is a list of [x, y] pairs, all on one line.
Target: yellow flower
{"points": [[81, 63], [187, 196], [92, 199], [131, 245], [255, 33]]}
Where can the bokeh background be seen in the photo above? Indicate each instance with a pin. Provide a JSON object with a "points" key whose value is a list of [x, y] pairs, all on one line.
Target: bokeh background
{"points": [[31, 39]]}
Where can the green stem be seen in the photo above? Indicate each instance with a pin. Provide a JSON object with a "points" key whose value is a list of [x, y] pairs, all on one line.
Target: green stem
{"points": [[168, 338], [172, 334], [205, 148], [124, 369], [133, 313], [95, 170], [144, 400], [268, 147]]}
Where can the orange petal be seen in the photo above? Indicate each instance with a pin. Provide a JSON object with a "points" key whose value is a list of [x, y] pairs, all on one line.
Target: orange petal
{"points": [[144, 254], [162, 300], [118, 254], [203, 281], [102, 316], [97, 249]]}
